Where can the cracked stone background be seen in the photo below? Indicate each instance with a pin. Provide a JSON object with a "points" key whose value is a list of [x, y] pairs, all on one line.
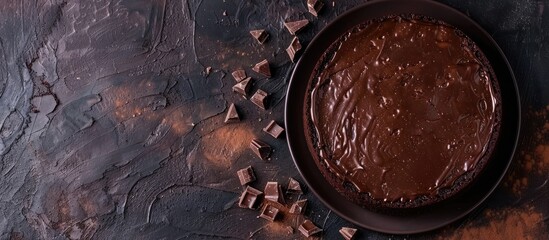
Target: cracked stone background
{"points": [[110, 127]]}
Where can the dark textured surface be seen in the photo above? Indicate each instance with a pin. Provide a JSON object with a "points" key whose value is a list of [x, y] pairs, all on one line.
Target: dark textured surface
{"points": [[110, 128]]}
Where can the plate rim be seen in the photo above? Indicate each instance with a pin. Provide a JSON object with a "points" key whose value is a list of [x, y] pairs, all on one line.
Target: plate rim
{"points": [[516, 99]]}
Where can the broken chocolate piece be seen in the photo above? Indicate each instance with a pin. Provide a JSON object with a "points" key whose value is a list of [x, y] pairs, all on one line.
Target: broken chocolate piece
{"points": [[273, 192], [274, 130], [239, 75], [294, 49], [347, 233], [260, 35], [260, 99], [232, 114], [294, 186], [263, 68], [249, 197], [308, 228], [207, 71], [298, 207], [315, 6], [243, 87], [296, 26], [269, 212], [260, 149], [246, 175]]}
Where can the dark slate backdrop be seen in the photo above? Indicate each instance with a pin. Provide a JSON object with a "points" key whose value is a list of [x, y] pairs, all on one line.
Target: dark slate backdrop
{"points": [[110, 127]]}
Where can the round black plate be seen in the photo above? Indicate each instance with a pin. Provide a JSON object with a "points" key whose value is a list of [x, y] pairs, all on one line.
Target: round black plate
{"points": [[410, 220]]}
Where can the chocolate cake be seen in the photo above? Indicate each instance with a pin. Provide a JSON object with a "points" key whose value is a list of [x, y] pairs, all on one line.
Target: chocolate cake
{"points": [[403, 112]]}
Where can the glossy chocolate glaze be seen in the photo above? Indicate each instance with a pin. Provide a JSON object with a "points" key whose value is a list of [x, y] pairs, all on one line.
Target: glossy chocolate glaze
{"points": [[403, 108]]}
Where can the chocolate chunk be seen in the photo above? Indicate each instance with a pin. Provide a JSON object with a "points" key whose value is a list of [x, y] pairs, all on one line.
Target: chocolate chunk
{"points": [[243, 87], [260, 149], [294, 186], [299, 206], [294, 49], [232, 114], [260, 99], [347, 233], [314, 6], [308, 228], [269, 212], [296, 26], [207, 71], [246, 175], [249, 198], [274, 129], [260, 35], [239, 75], [263, 68], [273, 192]]}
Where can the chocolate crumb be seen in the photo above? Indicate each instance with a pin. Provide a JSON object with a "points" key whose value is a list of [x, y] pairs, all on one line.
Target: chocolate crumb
{"points": [[207, 71], [296, 26], [261, 149], [298, 207], [246, 175], [263, 68], [273, 192], [347, 233], [243, 87], [314, 6], [260, 35], [260, 99], [269, 212], [308, 228], [239, 75], [294, 49], [274, 129], [249, 198], [294, 186], [232, 114]]}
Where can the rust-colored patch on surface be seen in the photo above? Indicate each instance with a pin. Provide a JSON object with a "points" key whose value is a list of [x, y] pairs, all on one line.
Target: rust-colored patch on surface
{"points": [[524, 223], [179, 121], [533, 158], [542, 154], [279, 229], [224, 145]]}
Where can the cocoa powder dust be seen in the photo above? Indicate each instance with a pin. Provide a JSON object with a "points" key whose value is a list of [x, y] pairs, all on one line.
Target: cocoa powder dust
{"points": [[524, 184], [520, 223], [532, 161]]}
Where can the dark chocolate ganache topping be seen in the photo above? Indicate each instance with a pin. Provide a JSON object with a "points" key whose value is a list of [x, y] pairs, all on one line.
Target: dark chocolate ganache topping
{"points": [[403, 108]]}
